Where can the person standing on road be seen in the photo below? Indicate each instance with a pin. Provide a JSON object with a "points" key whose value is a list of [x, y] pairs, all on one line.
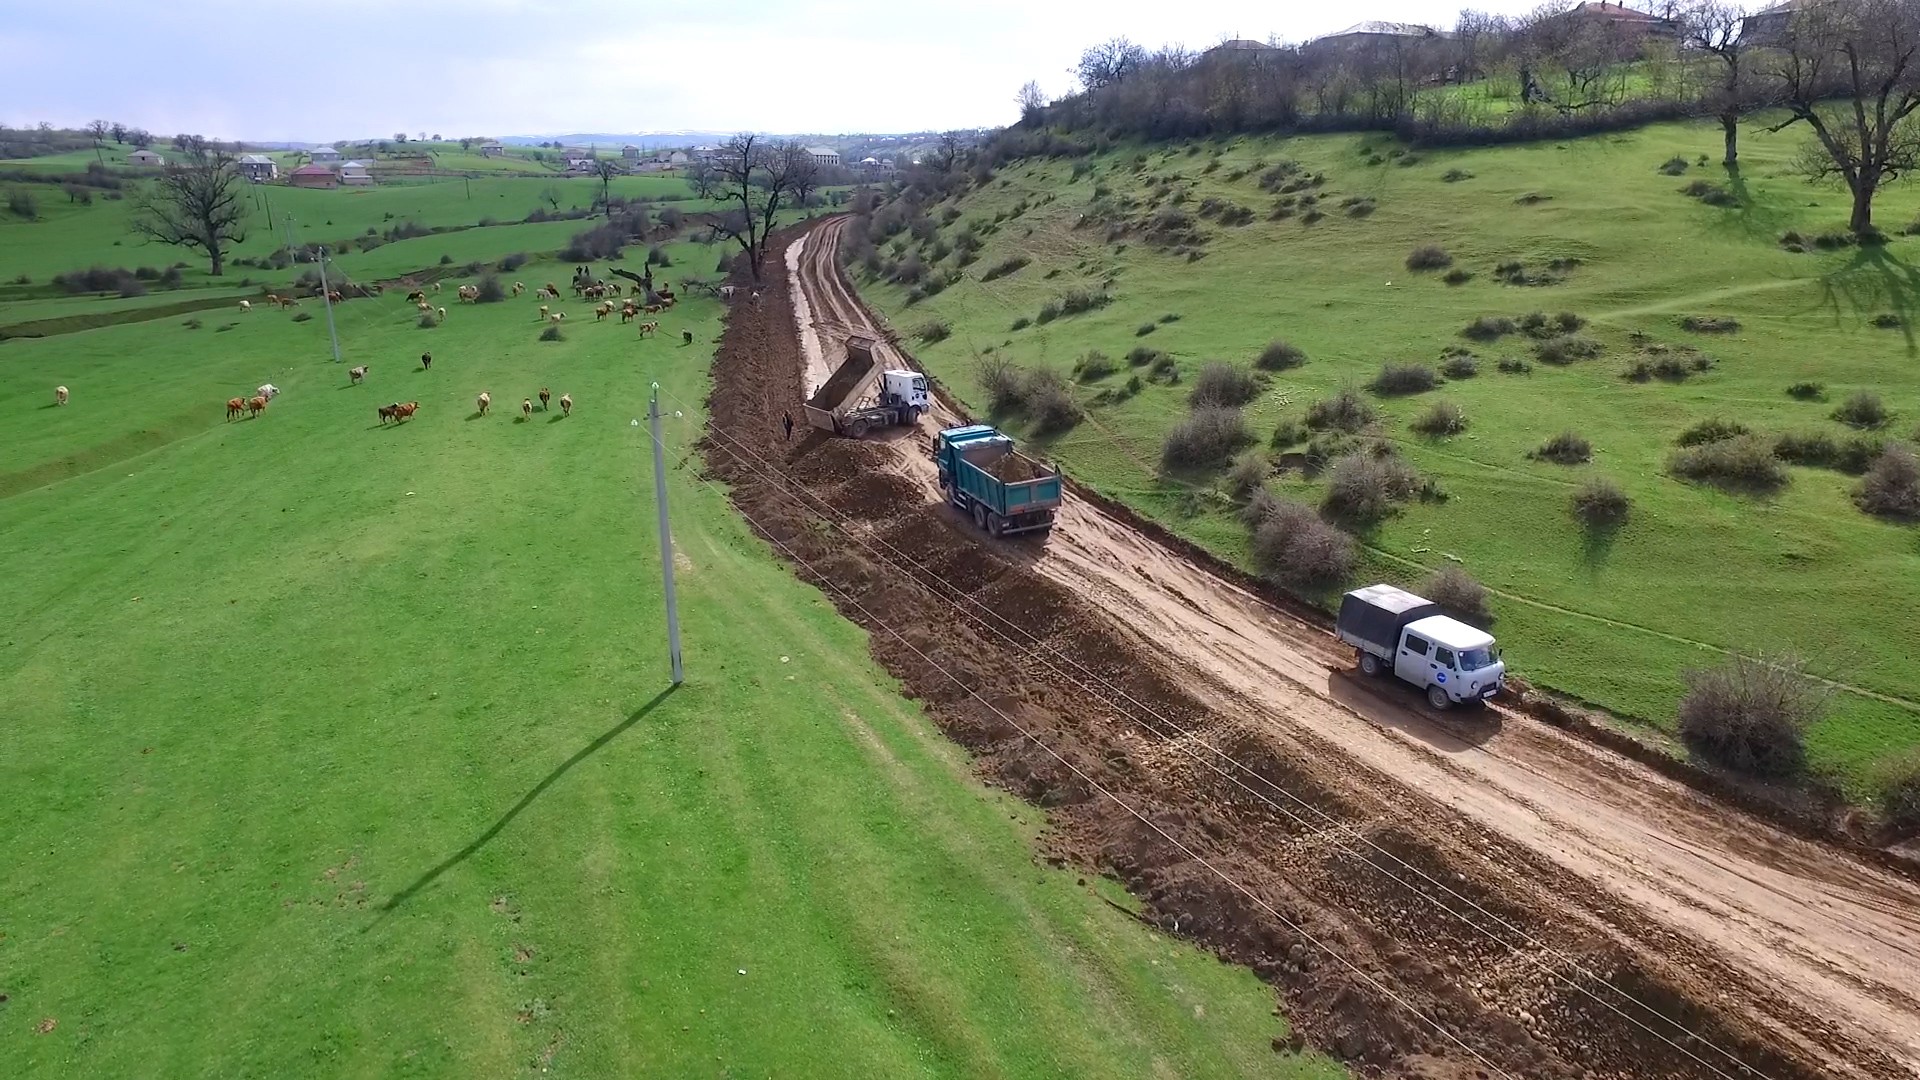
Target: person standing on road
{"points": [[786, 421]]}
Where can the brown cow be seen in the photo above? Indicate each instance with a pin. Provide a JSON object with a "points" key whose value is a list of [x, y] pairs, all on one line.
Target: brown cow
{"points": [[545, 396], [389, 412], [256, 406], [406, 410], [235, 406]]}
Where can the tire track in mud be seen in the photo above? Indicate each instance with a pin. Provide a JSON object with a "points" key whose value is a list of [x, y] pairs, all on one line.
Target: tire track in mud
{"points": [[1539, 969]]}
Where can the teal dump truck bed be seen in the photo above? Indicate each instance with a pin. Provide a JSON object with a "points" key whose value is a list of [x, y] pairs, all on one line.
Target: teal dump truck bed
{"points": [[1004, 490]]}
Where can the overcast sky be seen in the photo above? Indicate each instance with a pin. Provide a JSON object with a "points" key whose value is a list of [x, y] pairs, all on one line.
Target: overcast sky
{"points": [[337, 69]]}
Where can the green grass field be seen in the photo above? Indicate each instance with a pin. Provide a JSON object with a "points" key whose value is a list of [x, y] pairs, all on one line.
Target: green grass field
{"points": [[335, 749], [1616, 622]]}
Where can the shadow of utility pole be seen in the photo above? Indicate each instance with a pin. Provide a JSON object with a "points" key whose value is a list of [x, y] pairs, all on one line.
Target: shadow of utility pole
{"points": [[526, 800]]}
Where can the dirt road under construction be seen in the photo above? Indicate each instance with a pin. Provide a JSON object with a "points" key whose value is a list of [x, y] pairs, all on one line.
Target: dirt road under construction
{"points": [[1467, 895]]}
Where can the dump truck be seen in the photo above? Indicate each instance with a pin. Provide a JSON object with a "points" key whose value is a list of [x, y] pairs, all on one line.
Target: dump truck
{"points": [[1395, 631], [845, 404], [1005, 491]]}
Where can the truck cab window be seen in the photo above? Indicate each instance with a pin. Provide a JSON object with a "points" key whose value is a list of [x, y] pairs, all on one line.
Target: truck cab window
{"points": [[1416, 646], [1444, 657]]}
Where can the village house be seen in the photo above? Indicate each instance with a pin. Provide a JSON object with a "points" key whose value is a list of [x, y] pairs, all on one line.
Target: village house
{"points": [[324, 155], [1239, 47], [492, 149], [1768, 26], [313, 176], [705, 153], [1374, 32], [630, 152], [258, 168], [355, 173], [1626, 19], [824, 156], [146, 158], [874, 168]]}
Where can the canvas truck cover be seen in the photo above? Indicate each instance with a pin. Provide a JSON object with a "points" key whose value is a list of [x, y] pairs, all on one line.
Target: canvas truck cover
{"points": [[1375, 615]]}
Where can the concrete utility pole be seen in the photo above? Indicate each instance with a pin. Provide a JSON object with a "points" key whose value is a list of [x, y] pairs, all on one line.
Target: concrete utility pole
{"points": [[326, 293], [666, 535]]}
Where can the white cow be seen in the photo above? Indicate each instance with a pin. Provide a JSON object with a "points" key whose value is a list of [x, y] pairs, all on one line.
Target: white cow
{"points": [[268, 391]]}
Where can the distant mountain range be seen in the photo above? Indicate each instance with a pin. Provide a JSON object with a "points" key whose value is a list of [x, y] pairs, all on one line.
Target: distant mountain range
{"points": [[649, 140]]}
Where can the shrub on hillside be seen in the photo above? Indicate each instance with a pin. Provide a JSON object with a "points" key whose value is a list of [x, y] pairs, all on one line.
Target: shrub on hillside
{"points": [[1709, 324], [1863, 409], [1009, 265], [1048, 312], [1750, 715], [1404, 379], [1460, 366], [657, 256], [1489, 328], [1741, 463], [1441, 419], [1206, 438], [1429, 257], [1020, 323], [1365, 487], [1094, 366], [1460, 593], [1144, 329], [1076, 301], [1600, 504], [1164, 369], [552, 333], [933, 330], [1566, 349], [1288, 432], [1675, 166], [1003, 382], [1710, 193], [1891, 487], [1710, 430], [1897, 785], [491, 291], [1222, 384], [1141, 356], [1459, 275], [1345, 411], [1279, 356], [1807, 391], [513, 262], [1454, 176], [1294, 547], [1514, 365], [1566, 448], [1887, 320], [1246, 474], [302, 316], [22, 203], [427, 321], [1050, 405]]}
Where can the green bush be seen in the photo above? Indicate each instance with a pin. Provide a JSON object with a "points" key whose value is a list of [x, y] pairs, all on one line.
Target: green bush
{"points": [[1712, 430], [1741, 463], [1674, 166], [1566, 448], [1144, 329], [1599, 504], [1004, 384], [1750, 715], [1364, 488], [1288, 432], [1163, 369], [1566, 349], [1460, 366], [1294, 547], [1891, 487], [1489, 328], [1429, 257], [1863, 409], [1049, 404], [1709, 324], [1222, 384], [552, 333], [1395, 379], [932, 331], [1459, 275], [1206, 438], [1345, 411], [1279, 356], [1441, 418], [1093, 366], [1245, 476], [1460, 593], [1897, 784], [1807, 391], [1009, 265], [1020, 323], [1514, 365]]}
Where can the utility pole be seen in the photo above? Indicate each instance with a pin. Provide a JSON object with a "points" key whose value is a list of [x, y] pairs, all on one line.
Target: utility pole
{"points": [[326, 293], [666, 534]]}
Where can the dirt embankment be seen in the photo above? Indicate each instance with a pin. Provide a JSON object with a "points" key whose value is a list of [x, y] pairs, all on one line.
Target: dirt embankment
{"points": [[1414, 890]]}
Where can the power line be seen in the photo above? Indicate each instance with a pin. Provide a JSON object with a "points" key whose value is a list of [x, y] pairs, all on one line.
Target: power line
{"points": [[1038, 646]]}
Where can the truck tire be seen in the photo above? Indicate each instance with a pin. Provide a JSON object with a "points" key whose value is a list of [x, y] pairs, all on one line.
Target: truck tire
{"points": [[858, 429], [1369, 664], [995, 523], [1437, 697], [980, 516], [911, 418]]}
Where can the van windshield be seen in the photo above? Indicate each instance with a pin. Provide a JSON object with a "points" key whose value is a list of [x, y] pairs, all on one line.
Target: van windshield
{"points": [[1474, 659]]}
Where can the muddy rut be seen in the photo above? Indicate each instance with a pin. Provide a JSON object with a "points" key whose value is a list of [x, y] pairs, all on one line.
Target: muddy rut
{"points": [[1436, 896]]}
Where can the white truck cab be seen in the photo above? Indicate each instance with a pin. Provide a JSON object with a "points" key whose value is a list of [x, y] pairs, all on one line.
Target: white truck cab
{"points": [[904, 389]]}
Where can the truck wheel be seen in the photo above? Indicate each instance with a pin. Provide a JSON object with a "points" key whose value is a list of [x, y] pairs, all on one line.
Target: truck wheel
{"points": [[980, 515], [1438, 698], [1369, 664], [912, 418], [994, 524], [858, 429]]}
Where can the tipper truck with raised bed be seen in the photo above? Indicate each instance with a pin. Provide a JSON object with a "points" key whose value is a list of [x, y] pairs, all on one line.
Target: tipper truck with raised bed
{"points": [[843, 406], [1003, 490], [1396, 631]]}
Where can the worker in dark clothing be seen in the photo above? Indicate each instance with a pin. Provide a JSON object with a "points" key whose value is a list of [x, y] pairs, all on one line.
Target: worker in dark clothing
{"points": [[786, 421]]}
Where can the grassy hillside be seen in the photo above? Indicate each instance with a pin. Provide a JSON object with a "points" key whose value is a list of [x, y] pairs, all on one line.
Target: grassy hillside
{"points": [[340, 749], [1602, 233]]}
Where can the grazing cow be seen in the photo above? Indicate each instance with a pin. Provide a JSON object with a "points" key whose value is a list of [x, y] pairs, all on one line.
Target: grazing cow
{"points": [[519, 287], [389, 412], [416, 296], [289, 301], [59, 395], [686, 337], [543, 311], [651, 309], [602, 310], [442, 312], [485, 402], [426, 361], [628, 312], [357, 374], [556, 317], [553, 290], [424, 307], [273, 299], [726, 292], [246, 305], [469, 294], [648, 328], [235, 406], [436, 286], [526, 408], [268, 391], [336, 297], [566, 404], [256, 405], [545, 396], [406, 409]]}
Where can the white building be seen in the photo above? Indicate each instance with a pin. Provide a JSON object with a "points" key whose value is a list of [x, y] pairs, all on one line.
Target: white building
{"points": [[257, 167], [824, 156], [324, 155], [355, 173], [147, 158], [492, 149]]}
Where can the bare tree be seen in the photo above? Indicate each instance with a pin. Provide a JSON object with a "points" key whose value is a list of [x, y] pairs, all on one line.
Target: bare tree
{"points": [[551, 196], [98, 129], [803, 173], [946, 153], [1108, 63], [606, 169], [1713, 27], [1850, 71], [118, 131], [198, 202], [466, 143], [1579, 62], [755, 176], [141, 138], [703, 178], [1032, 102]]}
